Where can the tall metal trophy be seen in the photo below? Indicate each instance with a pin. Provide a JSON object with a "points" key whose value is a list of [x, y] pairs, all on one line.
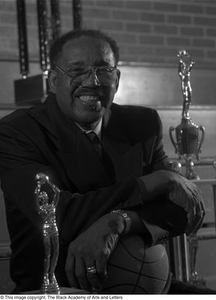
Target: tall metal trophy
{"points": [[189, 140], [47, 209], [189, 136]]}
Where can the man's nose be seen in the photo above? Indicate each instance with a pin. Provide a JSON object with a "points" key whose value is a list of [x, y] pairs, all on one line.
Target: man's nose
{"points": [[92, 79]]}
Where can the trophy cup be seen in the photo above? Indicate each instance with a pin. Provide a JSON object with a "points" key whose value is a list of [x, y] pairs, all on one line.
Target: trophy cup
{"points": [[189, 136], [47, 209]]}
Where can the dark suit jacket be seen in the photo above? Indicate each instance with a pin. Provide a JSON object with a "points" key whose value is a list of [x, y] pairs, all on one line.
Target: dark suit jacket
{"points": [[43, 139]]}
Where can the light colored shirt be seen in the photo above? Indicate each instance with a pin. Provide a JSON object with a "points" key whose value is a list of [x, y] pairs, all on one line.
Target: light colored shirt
{"points": [[96, 130]]}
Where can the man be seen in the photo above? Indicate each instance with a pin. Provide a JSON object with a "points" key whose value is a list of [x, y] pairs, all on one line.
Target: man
{"points": [[126, 170]]}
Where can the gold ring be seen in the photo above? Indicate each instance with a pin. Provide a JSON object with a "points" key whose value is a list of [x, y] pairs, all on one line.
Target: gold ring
{"points": [[91, 270], [201, 213]]}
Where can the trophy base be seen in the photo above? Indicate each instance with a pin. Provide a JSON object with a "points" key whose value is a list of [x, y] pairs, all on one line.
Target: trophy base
{"points": [[189, 164], [191, 175], [63, 290], [31, 90], [197, 281]]}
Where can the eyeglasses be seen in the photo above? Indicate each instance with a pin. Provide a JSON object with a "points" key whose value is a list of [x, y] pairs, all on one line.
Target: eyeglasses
{"points": [[102, 74]]}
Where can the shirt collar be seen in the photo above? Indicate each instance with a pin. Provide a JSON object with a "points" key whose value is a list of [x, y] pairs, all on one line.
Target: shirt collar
{"points": [[96, 130]]}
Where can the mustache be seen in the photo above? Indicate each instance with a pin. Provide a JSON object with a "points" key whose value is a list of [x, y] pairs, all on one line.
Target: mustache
{"points": [[88, 91]]}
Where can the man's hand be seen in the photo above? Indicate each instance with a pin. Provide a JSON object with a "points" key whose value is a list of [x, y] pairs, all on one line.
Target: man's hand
{"points": [[180, 190], [91, 250], [187, 195]]}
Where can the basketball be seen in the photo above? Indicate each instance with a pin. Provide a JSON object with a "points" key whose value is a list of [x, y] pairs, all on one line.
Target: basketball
{"points": [[135, 269]]}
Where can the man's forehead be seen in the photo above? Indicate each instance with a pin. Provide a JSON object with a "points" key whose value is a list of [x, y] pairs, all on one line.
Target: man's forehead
{"points": [[88, 48]]}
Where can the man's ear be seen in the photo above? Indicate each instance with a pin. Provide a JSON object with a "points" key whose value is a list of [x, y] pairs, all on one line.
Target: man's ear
{"points": [[118, 79], [52, 77]]}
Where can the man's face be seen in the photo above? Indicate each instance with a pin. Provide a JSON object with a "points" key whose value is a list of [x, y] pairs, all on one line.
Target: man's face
{"points": [[84, 97]]}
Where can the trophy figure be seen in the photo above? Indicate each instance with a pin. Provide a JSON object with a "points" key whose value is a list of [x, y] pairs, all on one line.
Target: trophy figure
{"points": [[189, 136], [47, 209]]}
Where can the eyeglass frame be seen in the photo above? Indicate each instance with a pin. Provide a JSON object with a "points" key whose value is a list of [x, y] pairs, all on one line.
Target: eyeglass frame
{"points": [[92, 69]]}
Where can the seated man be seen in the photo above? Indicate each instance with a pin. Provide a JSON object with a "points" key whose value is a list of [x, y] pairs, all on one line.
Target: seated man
{"points": [[126, 168]]}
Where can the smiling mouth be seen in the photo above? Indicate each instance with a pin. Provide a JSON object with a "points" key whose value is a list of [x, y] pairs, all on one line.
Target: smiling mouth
{"points": [[92, 102]]}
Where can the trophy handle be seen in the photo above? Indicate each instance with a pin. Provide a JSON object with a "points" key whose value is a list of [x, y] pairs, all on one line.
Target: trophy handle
{"points": [[202, 129], [171, 129]]}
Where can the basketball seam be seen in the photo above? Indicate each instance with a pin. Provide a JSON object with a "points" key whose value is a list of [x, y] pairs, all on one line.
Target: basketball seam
{"points": [[141, 267], [137, 258], [131, 271], [127, 284]]}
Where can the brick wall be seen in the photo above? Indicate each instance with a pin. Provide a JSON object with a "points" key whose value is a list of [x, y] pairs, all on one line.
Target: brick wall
{"points": [[146, 30]]}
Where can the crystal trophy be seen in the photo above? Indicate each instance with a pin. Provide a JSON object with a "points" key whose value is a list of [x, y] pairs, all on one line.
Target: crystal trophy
{"points": [[47, 210], [189, 136]]}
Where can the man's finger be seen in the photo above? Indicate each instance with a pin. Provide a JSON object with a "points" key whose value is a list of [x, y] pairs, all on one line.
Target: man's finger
{"points": [[93, 277], [81, 275], [70, 271]]}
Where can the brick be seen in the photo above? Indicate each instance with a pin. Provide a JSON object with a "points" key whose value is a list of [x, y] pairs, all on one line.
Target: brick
{"points": [[151, 40], [138, 27], [211, 32], [140, 5], [125, 38], [67, 22], [192, 31], [67, 10], [89, 23], [108, 3], [211, 54], [210, 65], [170, 52], [211, 10], [178, 41], [195, 54], [91, 2], [33, 47], [8, 31], [98, 13], [10, 45], [205, 21], [165, 29], [13, 44], [6, 5], [31, 20], [31, 7], [125, 15], [32, 32], [8, 18], [127, 58], [7, 55], [139, 50], [179, 19], [152, 17], [109, 25], [165, 6], [204, 43], [188, 8]]}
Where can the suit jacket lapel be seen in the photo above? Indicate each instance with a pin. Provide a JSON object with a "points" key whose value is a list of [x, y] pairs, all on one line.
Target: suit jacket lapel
{"points": [[84, 166], [126, 158]]}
